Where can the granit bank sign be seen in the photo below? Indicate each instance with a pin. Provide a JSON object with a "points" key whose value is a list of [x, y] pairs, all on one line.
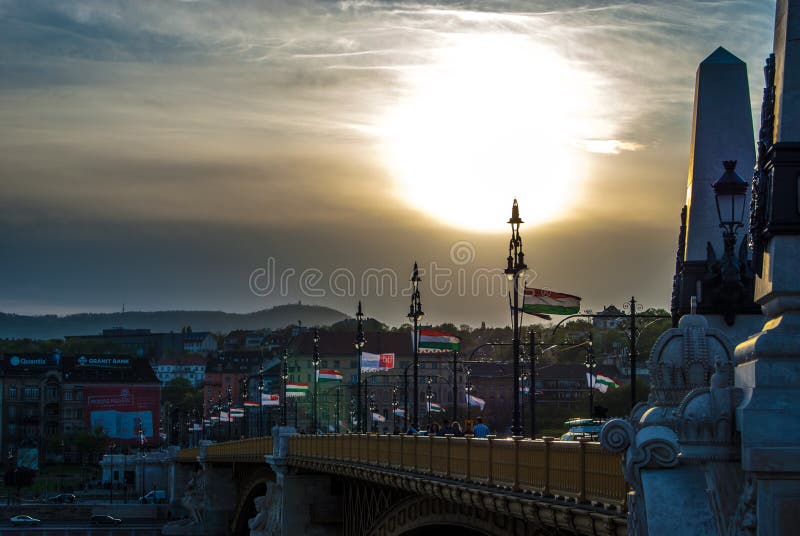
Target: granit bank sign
{"points": [[104, 361]]}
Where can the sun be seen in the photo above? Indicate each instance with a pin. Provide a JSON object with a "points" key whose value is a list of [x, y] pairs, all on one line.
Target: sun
{"points": [[492, 118]]}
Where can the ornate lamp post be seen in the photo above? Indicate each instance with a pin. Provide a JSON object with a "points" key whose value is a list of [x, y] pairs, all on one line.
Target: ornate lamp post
{"points": [[731, 271], [260, 397], [515, 265], [468, 388], [245, 395], [285, 378], [395, 406], [590, 364], [360, 341], [372, 409], [228, 405], [429, 399], [415, 314], [532, 392], [315, 362]]}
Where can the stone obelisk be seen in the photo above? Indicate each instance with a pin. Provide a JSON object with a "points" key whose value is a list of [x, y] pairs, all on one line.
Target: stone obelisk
{"points": [[769, 362], [722, 129]]}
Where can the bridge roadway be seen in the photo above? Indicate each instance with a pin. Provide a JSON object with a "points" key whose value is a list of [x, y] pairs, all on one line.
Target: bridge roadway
{"points": [[554, 486]]}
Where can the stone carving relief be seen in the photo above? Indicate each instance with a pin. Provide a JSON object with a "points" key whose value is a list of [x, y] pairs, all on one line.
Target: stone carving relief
{"points": [[194, 500], [267, 521]]}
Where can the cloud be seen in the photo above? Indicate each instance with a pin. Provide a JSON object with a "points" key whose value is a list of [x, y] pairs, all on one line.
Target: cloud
{"points": [[610, 146]]}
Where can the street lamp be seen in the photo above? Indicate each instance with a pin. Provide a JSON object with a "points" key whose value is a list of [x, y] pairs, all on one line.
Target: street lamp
{"points": [[360, 341], [260, 397], [532, 392], [415, 314], [285, 378], [315, 361], [111, 448], [245, 394], [429, 399], [230, 419], [468, 388], [590, 364], [372, 409], [729, 193], [515, 265], [395, 406]]}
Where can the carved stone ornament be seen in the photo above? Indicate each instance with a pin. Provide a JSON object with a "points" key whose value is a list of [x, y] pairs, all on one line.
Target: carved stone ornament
{"points": [[267, 521]]}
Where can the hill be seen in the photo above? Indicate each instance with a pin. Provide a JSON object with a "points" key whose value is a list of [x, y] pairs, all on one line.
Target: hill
{"points": [[52, 326]]}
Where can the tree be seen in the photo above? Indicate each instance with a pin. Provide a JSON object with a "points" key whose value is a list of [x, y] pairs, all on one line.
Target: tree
{"points": [[92, 443]]}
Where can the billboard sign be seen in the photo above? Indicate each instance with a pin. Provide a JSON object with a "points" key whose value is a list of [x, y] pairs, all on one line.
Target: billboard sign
{"points": [[124, 411]]}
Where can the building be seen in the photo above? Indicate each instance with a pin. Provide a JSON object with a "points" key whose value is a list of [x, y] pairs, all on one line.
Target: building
{"points": [[120, 394], [31, 409], [192, 367], [609, 318], [199, 342], [138, 342]]}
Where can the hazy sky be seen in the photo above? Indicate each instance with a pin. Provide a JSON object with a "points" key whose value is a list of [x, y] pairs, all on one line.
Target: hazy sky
{"points": [[180, 154]]}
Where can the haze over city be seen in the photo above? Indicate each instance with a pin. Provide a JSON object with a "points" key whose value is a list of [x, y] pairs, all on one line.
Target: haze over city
{"points": [[160, 154]]}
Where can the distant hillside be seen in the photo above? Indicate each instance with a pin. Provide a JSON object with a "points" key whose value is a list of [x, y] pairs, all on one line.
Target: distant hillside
{"points": [[52, 326]]}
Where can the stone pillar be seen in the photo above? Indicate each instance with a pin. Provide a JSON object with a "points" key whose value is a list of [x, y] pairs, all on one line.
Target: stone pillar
{"points": [[768, 369], [307, 504], [722, 129]]}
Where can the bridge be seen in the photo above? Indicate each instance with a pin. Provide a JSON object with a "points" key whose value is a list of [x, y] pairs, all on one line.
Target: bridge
{"points": [[360, 484]]}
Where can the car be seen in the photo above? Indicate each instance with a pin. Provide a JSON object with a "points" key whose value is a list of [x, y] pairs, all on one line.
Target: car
{"points": [[24, 520], [63, 498], [102, 519]]}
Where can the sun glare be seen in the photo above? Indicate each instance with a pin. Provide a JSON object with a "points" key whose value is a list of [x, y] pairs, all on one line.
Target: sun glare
{"points": [[494, 117]]}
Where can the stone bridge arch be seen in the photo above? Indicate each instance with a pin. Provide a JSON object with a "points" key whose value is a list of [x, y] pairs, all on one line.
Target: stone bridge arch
{"points": [[252, 484], [421, 515]]}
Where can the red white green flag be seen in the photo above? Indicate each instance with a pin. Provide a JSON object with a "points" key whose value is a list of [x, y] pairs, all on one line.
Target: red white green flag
{"points": [[540, 302], [249, 404], [329, 375], [296, 389], [433, 407], [431, 340]]}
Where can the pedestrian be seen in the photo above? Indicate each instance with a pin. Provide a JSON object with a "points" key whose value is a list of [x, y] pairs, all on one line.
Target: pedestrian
{"points": [[480, 430], [435, 429], [447, 428], [457, 431]]}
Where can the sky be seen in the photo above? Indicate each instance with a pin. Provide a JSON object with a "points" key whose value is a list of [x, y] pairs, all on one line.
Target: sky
{"points": [[240, 155]]}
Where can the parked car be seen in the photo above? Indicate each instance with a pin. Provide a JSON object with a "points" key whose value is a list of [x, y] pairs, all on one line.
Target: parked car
{"points": [[157, 496], [62, 498], [101, 519], [24, 520]]}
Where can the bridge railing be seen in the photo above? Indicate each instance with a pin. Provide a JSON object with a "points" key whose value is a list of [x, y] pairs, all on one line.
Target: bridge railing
{"points": [[579, 470], [246, 450]]}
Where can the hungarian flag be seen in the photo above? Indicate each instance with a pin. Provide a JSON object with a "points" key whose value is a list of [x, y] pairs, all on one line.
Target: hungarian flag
{"points": [[601, 382], [329, 376], [270, 400], [473, 400], [296, 389], [237, 413], [377, 417], [431, 340], [374, 362], [250, 404], [540, 302], [400, 412], [433, 407], [223, 416]]}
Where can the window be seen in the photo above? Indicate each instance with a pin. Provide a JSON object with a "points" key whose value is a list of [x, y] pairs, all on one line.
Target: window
{"points": [[78, 395], [336, 364], [52, 392], [68, 396], [12, 392], [12, 412]]}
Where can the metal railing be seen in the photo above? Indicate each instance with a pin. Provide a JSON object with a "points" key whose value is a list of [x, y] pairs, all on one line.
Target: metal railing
{"points": [[579, 470]]}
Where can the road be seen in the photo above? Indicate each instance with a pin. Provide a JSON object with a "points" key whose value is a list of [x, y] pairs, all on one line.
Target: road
{"points": [[144, 527]]}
